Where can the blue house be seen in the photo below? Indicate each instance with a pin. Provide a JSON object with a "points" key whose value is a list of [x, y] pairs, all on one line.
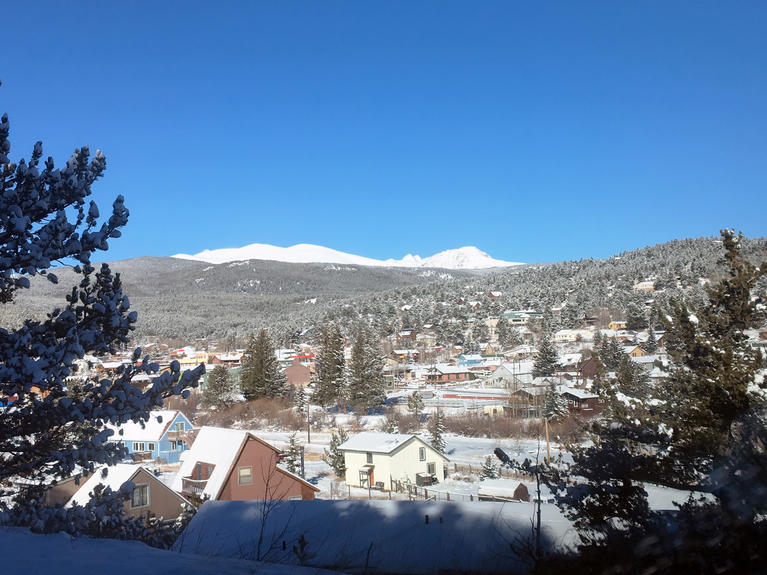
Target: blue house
{"points": [[467, 360], [163, 436]]}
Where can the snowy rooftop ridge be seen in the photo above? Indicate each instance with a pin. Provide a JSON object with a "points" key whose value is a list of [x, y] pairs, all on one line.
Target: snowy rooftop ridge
{"points": [[216, 446], [376, 442], [467, 257], [112, 477], [153, 429]]}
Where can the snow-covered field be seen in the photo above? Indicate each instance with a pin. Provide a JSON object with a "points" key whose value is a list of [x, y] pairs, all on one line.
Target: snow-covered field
{"points": [[378, 536], [27, 553]]}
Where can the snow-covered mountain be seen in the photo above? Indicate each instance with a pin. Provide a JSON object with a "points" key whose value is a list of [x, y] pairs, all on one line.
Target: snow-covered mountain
{"points": [[466, 258]]}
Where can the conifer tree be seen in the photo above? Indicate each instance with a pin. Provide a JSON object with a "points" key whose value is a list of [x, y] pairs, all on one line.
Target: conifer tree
{"points": [[333, 455], [632, 379], [706, 432], [292, 459], [651, 346], [488, 470], [546, 359], [221, 390], [55, 424], [366, 384], [554, 405], [436, 431], [415, 404], [261, 375], [635, 317], [329, 388], [502, 332]]}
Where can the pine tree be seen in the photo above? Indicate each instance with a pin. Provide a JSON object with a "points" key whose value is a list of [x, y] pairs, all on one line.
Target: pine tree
{"points": [[611, 353], [221, 390], [554, 404], [707, 432], [546, 360], [329, 388], [436, 431], [333, 455], [635, 317], [300, 401], [488, 470], [366, 384], [651, 346], [55, 425], [632, 379], [415, 404], [260, 375], [292, 459], [502, 332]]}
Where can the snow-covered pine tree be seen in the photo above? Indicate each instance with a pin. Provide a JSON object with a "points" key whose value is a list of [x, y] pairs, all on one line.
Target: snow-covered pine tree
{"points": [[546, 359], [366, 384], [488, 469], [300, 401], [329, 388], [333, 455], [415, 404], [292, 459], [651, 345], [436, 431], [49, 426], [221, 389], [706, 432], [261, 375], [554, 404]]}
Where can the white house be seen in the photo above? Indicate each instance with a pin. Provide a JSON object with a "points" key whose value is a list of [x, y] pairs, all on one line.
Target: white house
{"points": [[381, 459]]}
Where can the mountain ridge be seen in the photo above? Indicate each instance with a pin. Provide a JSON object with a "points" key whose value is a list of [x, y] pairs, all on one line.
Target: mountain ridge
{"points": [[467, 257]]}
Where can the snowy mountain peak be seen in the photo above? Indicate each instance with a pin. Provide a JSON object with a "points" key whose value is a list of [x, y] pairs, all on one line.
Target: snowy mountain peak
{"points": [[465, 258]]}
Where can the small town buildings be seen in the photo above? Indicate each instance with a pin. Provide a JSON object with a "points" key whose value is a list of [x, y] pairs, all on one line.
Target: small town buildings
{"points": [[385, 460], [233, 464], [149, 494], [582, 401], [162, 438], [442, 373]]}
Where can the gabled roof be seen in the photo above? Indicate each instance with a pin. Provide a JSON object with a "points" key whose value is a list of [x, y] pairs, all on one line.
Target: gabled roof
{"points": [[377, 442], [221, 448], [113, 477], [153, 429]]}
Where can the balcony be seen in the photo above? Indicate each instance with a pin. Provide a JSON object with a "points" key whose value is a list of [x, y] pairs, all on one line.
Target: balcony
{"points": [[193, 486]]}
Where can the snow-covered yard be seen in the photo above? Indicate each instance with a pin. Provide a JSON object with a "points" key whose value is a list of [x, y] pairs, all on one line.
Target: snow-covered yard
{"points": [[27, 553]]}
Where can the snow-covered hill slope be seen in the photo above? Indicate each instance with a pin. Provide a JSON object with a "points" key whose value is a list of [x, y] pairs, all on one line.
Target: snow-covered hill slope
{"points": [[466, 258]]}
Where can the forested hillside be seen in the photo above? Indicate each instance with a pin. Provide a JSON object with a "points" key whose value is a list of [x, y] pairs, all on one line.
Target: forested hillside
{"points": [[187, 300]]}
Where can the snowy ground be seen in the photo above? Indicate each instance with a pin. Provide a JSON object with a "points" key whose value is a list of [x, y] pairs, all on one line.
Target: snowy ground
{"points": [[59, 554], [378, 536]]}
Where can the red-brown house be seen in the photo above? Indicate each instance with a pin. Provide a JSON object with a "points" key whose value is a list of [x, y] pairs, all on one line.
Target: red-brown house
{"points": [[232, 464], [298, 374]]}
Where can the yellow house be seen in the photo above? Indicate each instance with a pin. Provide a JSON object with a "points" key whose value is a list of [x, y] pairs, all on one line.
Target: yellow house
{"points": [[379, 460], [617, 324], [634, 351]]}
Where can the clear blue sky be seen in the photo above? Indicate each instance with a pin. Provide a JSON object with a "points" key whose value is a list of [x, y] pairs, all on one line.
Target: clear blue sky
{"points": [[535, 131]]}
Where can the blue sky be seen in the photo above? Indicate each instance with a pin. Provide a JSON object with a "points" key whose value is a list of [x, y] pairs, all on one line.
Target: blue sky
{"points": [[535, 131]]}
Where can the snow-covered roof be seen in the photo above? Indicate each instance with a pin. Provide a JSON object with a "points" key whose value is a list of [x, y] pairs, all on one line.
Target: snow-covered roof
{"points": [[376, 442], [577, 392], [111, 476], [153, 429], [216, 446]]}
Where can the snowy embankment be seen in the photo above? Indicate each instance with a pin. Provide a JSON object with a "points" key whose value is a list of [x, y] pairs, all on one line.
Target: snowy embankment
{"points": [[377, 536], [27, 553]]}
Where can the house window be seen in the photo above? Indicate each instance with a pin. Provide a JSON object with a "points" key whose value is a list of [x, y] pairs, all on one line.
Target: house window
{"points": [[139, 446], [173, 446], [140, 497], [180, 426], [422, 454], [431, 468], [244, 476], [369, 457], [151, 447]]}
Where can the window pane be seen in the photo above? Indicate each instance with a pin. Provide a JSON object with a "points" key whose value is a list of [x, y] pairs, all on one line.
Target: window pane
{"points": [[244, 476]]}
